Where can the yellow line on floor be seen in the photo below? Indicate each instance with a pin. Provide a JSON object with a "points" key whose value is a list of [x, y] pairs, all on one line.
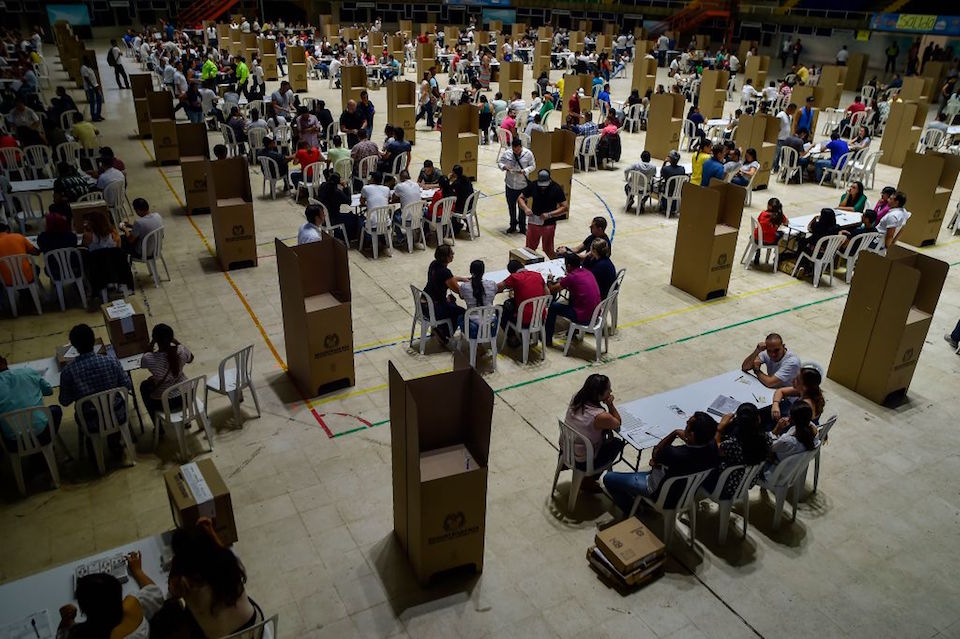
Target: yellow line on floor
{"points": [[372, 389]]}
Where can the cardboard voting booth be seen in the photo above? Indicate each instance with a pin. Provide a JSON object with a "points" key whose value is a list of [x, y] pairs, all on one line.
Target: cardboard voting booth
{"points": [[902, 130], [126, 326], [141, 84], [856, 71], [194, 149], [573, 83], [163, 127], [440, 453], [707, 238], [268, 58], [832, 79], [511, 79], [917, 88], [396, 48], [664, 122], [317, 322], [197, 490], [554, 151], [460, 138], [928, 181], [297, 68], [885, 322], [757, 68], [426, 58], [644, 74], [713, 92], [759, 132], [518, 29], [353, 81], [402, 107], [231, 206], [541, 57]]}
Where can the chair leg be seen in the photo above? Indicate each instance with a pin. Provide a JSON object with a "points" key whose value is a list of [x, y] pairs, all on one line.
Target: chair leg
{"points": [[816, 470], [181, 440], [59, 287], [207, 430], [575, 482], [423, 337], [669, 524], [35, 294], [97, 442], [781, 494], [83, 293], [725, 507], [256, 400], [128, 443], [556, 476], [746, 514], [16, 463], [235, 404], [50, 455], [473, 353], [571, 331], [693, 523], [525, 335]]}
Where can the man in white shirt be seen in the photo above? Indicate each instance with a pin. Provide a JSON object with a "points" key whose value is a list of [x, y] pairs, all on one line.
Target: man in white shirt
{"points": [[782, 365], [146, 223], [179, 81], [517, 163], [245, 26], [749, 91], [168, 72], [94, 91], [785, 119], [518, 104], [108, 175], [115, 60], [375, 194], [734, 63], [842, 56], [663, 43], [310, 230], [770, 93], [406, 191], [894, 219]]}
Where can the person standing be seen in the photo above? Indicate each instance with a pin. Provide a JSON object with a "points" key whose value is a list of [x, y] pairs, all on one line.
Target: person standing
{"points": [[785, 119], [114, 59], [517, 163], [785, 52], [892, 52], [367, 110], [91, 86], [549, 204], [797, 49]]}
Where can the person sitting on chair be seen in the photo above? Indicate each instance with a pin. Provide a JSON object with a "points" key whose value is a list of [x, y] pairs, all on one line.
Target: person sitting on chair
{"points": [[593, 415], [782, 365], [147, 221]]}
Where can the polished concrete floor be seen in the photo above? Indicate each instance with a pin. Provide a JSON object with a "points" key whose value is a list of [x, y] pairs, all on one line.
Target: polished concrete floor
{"points": [[873, 553]]}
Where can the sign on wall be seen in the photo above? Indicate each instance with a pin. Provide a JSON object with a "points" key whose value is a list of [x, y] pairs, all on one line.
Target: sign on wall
{"points": [[916, 23]]}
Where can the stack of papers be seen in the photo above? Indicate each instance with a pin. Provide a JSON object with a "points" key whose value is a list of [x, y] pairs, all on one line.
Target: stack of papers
{"points": [[723, 405]]}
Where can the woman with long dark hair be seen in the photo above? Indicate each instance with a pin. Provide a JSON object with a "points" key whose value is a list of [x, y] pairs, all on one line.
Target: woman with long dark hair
{"points": [[854, 199], [794, 434], [740, 441], [805, 389], [593, 414], [477, 291], [441, 285], [165, 361]]}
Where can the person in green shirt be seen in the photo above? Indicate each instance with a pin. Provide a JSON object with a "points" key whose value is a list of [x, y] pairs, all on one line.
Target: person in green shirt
{"points": [[242, 72], [209, 70], [337, 152], [547, 105]]}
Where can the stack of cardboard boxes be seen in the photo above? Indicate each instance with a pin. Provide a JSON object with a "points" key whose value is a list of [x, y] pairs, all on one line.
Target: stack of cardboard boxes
{"points": [[426, 58], [194, 147], [268, 58], [460, 138], [440, 452], [541, 57], [553, 151], [297, 68], [402, 107], [707, 238], [713, 92], [317, 320], [141, 84], [885, 322], [231, 206], [627, 555], [902, 131], [928, 181], [511, 79], [163, 127], [759, 132], [664, 121], [126, 326]]}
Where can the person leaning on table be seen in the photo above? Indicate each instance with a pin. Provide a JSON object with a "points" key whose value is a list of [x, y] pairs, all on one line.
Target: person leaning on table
{"points": [[25, 388], [782, 365], [593, 415]]}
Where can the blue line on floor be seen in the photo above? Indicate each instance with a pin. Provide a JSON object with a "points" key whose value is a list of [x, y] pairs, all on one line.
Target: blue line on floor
{"points": [[613, 220]]}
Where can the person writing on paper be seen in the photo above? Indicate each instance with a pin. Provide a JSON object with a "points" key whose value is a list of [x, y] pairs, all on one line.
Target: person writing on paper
{"points": [[108, 613], [549, 204], [698, 453], [525, 285], [25, 388], [166, 369], [781, 364], [593, 415], [517, 163], [584, 293]]}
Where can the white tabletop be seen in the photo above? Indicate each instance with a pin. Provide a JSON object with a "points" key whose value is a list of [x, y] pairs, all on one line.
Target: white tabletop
{"points": [[53, 588], [844, 218], [22, 186], [50, 370], [545, 268], [718, 122], [953, 130], [648, 420]]}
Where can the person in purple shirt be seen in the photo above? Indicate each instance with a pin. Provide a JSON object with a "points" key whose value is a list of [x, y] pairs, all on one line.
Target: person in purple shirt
{"points": [[584, 295], [713, 168], [838, 148]]}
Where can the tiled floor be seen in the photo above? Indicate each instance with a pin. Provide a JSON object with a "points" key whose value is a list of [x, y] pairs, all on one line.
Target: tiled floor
{"points": [[872, 554]]}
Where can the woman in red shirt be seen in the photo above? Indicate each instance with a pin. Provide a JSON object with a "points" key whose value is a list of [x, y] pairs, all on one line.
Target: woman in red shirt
{"points": [[443, 190], [770, 222]]}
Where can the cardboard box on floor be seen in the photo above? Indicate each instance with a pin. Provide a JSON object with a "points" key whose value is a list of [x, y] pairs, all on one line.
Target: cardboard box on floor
{"points": [[194, 149], [856, 71], [197, 490], [664, 121], [163, 127], [902, 131], [440, 453], [554, 151], [885, 322], [126, 326], [928, 180], [402, 107], [460, 138], [317, 320], [629, 545], [707, 238], [353, 81], [231, 207]]}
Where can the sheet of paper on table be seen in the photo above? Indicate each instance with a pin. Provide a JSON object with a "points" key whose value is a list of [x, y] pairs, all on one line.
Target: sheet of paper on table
{"points": [[34, 625]]}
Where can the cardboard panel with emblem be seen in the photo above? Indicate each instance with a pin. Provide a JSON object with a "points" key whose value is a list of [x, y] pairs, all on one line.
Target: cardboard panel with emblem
{"points": [[231, 206]]}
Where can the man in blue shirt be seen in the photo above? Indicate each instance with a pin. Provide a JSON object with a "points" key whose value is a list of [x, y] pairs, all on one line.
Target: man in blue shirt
{"points": [[806, 115], [713, 168], [604, 96], [838, 148], [25, 388]]}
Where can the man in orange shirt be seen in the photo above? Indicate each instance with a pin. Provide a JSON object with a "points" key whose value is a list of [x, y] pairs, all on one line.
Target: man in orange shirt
{"points": [[15, 244]]}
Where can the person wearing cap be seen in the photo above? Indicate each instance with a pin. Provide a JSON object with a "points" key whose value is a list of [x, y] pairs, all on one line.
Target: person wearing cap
{"points": [[517, 163], [549, 204]]}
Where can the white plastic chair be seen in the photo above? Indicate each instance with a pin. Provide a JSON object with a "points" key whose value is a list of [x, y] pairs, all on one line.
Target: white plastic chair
{"points": [[954, 225], [850, 254], [21, 423], [69, 152], [469, 215], [826, 248], [411, 223], [327, 225], [39, 160], [310, 184], [229, 139], [596, 326], [931, 139], [271, 175], [66, 119], [266, 629], [504, 137], [741, 495], [67, 263], [784, 477], [867, 92], [688, 134], [613, 310], [366, 167], [13, 265], [192, 410], [536, 329], [567, 460], [258, 105], [755, 245], [425, 314], [840, 174], [589, 152], [344, 168], [639, 188], [233, 375], [671, 195], [865, 170], [92, 196], [14, 161], [115, 195], [108, 423], [686, 501], [634, 119], [822, 434], [152, 248], [283, 137], [487, 321], [255, 138], [400, 164], [442, 223], [29, 207], [379, 223], [789, 165]]}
